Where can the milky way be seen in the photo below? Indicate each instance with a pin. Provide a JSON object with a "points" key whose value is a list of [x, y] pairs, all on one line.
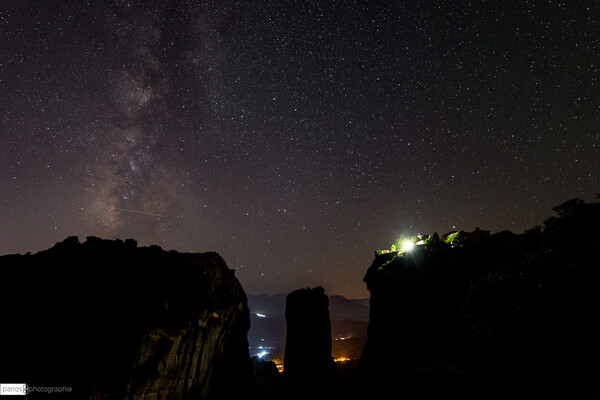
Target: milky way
{"points": [[294, 138], [129, 176]]}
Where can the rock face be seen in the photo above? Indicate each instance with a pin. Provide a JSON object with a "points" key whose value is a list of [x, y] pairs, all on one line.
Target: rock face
{"points": [[415, 299], [111, 320], [308, 342], [510, 316]]}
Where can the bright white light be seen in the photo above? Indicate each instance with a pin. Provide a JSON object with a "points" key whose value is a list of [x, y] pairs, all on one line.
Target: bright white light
{"points": [[261, 315], [262, 354], [407, 245]]}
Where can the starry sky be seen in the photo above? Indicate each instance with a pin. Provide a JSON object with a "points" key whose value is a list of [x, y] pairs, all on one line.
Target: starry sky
{"points": [[293, 137]]}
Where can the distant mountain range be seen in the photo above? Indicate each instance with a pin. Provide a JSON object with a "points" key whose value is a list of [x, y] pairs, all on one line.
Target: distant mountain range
{"points": [[340, 308]]}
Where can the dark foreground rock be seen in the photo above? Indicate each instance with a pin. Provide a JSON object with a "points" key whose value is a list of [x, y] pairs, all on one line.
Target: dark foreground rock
{"points": [[506, 317], [308, 366], [308, 343], [111, 320]]}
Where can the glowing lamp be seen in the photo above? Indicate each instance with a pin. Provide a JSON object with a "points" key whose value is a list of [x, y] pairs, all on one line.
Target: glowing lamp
{"points": [[407, 245]]}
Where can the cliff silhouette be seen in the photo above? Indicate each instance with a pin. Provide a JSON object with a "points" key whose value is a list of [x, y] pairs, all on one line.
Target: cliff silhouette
{"points": [[112, 320], [508, 316], [308, 363]]}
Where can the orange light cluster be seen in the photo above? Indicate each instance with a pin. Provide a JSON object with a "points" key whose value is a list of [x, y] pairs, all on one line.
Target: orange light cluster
{"points": [[341, 359], [343, 338]]}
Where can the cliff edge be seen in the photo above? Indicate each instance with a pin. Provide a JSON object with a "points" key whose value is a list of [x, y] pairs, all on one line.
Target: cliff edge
{"points": [[110, 320], [508, 316]]}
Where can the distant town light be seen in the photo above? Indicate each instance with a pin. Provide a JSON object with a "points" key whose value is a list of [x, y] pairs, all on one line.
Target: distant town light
{"points": [[261, 315], [262, 354], [343, 338]]}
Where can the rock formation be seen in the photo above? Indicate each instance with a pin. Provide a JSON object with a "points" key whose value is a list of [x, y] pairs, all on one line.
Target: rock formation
{"points": [[410, 302], [509, 316], [308, 342], [112, 320]]}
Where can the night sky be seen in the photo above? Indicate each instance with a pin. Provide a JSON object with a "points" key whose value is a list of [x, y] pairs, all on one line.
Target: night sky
{"points": [[293, 137]]}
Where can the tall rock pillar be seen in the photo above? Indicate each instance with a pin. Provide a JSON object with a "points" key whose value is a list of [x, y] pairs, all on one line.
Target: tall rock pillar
{"points": [[308, 342]]}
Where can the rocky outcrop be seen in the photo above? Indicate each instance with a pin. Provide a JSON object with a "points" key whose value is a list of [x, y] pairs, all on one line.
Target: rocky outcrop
{"points": [[308, 343], [509, 316], [112, 320], [415, 299]]}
